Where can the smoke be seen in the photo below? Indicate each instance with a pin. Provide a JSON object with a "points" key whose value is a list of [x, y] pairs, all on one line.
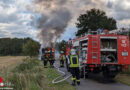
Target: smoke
{"points": [[53, 21], [57, 15], [52, 26]]}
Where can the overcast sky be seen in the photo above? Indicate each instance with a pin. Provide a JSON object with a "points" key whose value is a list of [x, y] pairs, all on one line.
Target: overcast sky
{"points": [[16, 18]]}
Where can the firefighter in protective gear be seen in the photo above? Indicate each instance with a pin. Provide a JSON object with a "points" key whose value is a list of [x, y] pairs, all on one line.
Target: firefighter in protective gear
{"points": [[51, 57], [44, 58], [62, 59], [74, 67]]}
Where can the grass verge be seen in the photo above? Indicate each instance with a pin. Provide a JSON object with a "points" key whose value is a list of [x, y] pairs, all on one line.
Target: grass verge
{"points": [[124, 77], [50, 74], [30, 75]]}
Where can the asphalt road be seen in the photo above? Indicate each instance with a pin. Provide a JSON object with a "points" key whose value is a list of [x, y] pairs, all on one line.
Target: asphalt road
{"points": [[95, 82]]}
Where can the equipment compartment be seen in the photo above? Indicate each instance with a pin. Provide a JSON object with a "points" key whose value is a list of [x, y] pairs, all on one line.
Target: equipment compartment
{"points": [[108, 50], [83, 49]]}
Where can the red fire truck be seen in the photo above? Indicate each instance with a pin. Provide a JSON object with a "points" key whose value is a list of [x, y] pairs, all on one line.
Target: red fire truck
{"points": [[106, 53]]}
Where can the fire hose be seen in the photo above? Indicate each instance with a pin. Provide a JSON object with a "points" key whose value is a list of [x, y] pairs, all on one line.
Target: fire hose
{"points": [[64, 76], [110, 55]]}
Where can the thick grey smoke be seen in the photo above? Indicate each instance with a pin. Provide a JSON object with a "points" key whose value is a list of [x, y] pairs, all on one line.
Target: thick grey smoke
{"points": [[56, 15], [51, 27], [53, 21]]}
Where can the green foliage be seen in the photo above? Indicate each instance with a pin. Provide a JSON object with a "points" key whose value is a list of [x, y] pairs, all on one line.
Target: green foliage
{"points": [[51, 74], [27, 75], [35, 78], [27, 65], [31, 48], [61, 46], [13, 46], [93, 20]]}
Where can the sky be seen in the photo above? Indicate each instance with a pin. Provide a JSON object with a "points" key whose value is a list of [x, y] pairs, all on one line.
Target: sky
{"points": [[18, 17]]}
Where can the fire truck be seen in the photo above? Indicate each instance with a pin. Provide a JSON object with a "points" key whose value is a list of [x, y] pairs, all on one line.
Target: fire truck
{"points": [[105, 53]]}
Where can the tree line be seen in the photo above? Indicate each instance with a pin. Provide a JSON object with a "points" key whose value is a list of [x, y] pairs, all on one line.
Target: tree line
{"points": [[16, 46]]}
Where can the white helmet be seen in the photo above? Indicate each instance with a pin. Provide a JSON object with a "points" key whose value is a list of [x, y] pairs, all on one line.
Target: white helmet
{"points": [[73, 51]]}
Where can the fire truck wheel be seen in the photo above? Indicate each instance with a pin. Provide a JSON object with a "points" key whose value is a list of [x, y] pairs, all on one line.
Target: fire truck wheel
{"points": [[82, 76], [109, 75], [86, 76]]}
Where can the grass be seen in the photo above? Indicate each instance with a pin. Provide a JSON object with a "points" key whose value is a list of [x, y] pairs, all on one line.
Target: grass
{"points": [[9, 61], [51, 74], [124, 77], [25, 76], [31, 75]]}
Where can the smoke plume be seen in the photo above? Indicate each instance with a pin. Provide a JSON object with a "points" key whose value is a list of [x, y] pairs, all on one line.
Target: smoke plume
{"points": [[56, 15]]}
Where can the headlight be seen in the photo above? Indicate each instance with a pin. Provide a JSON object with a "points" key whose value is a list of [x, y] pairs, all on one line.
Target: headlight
{"points": [[124, 53]]}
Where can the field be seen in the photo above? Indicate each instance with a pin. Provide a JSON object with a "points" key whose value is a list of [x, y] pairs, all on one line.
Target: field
{"points": [[8, 62]]}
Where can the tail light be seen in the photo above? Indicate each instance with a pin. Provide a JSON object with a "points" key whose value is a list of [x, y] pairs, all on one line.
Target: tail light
{"points": [[92, 69], [123, 69], [125, 66], [92, 66]]}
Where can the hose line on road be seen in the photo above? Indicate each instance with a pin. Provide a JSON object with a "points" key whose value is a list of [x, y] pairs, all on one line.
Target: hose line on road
{"points": [[64, 76]]}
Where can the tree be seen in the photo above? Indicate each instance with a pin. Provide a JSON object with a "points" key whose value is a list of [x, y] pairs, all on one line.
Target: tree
{"points": [[61, 46], [31, 48], [12, 46], [94, 19]]}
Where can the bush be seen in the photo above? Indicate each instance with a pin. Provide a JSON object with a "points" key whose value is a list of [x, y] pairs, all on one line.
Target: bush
{"points": [[27, 65], [27, 75]]}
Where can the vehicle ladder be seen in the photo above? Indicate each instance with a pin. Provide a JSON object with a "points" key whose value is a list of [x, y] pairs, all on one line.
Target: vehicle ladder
{"points": [[94, 47]]}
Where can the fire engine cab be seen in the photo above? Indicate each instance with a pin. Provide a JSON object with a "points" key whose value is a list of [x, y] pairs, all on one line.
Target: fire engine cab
{"points": [[106, 53]]}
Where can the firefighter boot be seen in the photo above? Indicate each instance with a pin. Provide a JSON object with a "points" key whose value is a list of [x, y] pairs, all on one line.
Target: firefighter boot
{"points": [[73, 81], [78, 82]]}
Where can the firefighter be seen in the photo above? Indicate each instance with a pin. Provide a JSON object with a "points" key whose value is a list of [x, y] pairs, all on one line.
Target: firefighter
{"points": [[51, 57], [74, 67], [45, 59], [62, 59]]}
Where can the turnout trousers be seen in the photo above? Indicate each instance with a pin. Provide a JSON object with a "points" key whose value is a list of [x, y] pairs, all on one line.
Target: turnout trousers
{"points": [[45, 63], [51, 62], [75, 75], [61, 63]]}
